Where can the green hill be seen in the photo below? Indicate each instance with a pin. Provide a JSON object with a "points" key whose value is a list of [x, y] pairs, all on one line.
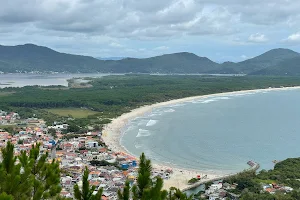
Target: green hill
{"points": [[30, 57], [169, 63], [268, 61], [287, 67]]}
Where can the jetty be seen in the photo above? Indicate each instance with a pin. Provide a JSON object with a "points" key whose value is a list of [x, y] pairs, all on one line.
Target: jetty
{"points": [[254, 166]]}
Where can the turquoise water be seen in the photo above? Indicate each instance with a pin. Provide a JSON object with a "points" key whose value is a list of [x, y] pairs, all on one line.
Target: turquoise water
{"points": [[220, 133]]}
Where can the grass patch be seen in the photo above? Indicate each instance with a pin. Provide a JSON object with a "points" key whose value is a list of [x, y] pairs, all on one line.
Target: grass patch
{"points": [[74, 112], [54, 88], [6, 93], [7, 126], [265, 181]]}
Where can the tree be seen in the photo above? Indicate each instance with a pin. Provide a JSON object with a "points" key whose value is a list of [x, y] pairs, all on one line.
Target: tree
{"points": [[73, 128], [148, 189], [125, 194], [155, 192], [20, 141], [4, 196], [12, 181], [295, 194], [97, 128], [86, 192], [52, 132], [145, 188], [193, 180], [46, 175], [10, 130], [176, 194], [144, 174]]}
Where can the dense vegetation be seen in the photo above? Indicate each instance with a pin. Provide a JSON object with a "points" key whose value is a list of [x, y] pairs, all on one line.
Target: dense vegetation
{"points": [[286, 172], [29, 57], [249, 184], [193, 180], [112, 96]]}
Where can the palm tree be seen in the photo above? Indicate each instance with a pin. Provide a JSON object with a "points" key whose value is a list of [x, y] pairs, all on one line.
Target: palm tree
{"points": [[86, 192]]}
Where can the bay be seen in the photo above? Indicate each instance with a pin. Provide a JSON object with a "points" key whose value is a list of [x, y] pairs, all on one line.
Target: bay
{"points": [[220, 133]]}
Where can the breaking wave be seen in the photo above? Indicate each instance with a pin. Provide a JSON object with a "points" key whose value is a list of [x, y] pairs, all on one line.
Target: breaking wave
{"points": [[151, 122], [169, 110], [143, 133]]}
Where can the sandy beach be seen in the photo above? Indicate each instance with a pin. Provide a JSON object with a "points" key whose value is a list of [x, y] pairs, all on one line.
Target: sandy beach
{"points": [[113, 132]]}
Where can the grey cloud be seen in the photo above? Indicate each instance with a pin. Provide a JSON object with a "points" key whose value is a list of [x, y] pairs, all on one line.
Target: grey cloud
{"points": [[146, 5], [266, 12], [292, 39], [257, 38], [121, 18], [105, 22]]}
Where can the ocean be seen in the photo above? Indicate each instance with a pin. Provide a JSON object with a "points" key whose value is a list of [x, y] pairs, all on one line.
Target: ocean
{"points": [[220, 133]]}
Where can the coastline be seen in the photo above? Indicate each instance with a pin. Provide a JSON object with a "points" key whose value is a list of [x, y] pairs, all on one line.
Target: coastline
{"points": [[113, 132]]}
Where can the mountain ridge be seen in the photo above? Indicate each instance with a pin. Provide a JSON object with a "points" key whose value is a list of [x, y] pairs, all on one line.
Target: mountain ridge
{"points": [[31, 57]]}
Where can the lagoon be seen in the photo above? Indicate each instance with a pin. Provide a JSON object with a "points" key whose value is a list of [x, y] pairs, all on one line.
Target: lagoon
{"points": [[21, 80]]}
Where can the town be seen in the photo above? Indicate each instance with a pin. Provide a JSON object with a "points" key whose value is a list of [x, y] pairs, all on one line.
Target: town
{"points": [[108, 170]]}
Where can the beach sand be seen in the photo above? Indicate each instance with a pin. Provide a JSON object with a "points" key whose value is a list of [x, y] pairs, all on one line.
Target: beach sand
{"points": [[113, 132]]}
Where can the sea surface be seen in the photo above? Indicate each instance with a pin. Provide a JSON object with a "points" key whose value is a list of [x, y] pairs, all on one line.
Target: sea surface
{"points": [[21, 80], [220, 133]]}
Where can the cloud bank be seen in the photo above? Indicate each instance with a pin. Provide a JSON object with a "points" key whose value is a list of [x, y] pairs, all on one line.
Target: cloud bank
{"points": [[105, 27]]}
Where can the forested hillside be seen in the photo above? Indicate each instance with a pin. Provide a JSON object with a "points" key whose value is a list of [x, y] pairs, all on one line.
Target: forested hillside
{"points": [[30, 57]]}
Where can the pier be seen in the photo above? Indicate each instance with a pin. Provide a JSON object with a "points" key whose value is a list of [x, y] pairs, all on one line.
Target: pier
{"points": [[253, 167]]}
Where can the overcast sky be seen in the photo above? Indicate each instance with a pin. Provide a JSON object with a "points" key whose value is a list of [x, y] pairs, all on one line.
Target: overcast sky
{"points": [[218, 29]]}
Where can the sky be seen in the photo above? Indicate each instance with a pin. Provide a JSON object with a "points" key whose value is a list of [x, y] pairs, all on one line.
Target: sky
{"points": [[222, 30]]}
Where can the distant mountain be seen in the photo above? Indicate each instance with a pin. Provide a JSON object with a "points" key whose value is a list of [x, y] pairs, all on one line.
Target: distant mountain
{"points": [[271, 59], [169, 63], [30, 57], [288, 67], [110, 58]]}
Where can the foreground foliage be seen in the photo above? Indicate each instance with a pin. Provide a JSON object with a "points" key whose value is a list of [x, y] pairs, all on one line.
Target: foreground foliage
{"points": [[147, 188], [32, 177], [86, 192]]}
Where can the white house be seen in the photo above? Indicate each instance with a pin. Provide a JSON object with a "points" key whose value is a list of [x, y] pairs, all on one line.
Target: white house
{"points": [[91, 144]]}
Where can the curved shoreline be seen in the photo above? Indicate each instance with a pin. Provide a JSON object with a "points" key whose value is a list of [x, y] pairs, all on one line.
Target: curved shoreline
{"points": [[112, 134]]}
